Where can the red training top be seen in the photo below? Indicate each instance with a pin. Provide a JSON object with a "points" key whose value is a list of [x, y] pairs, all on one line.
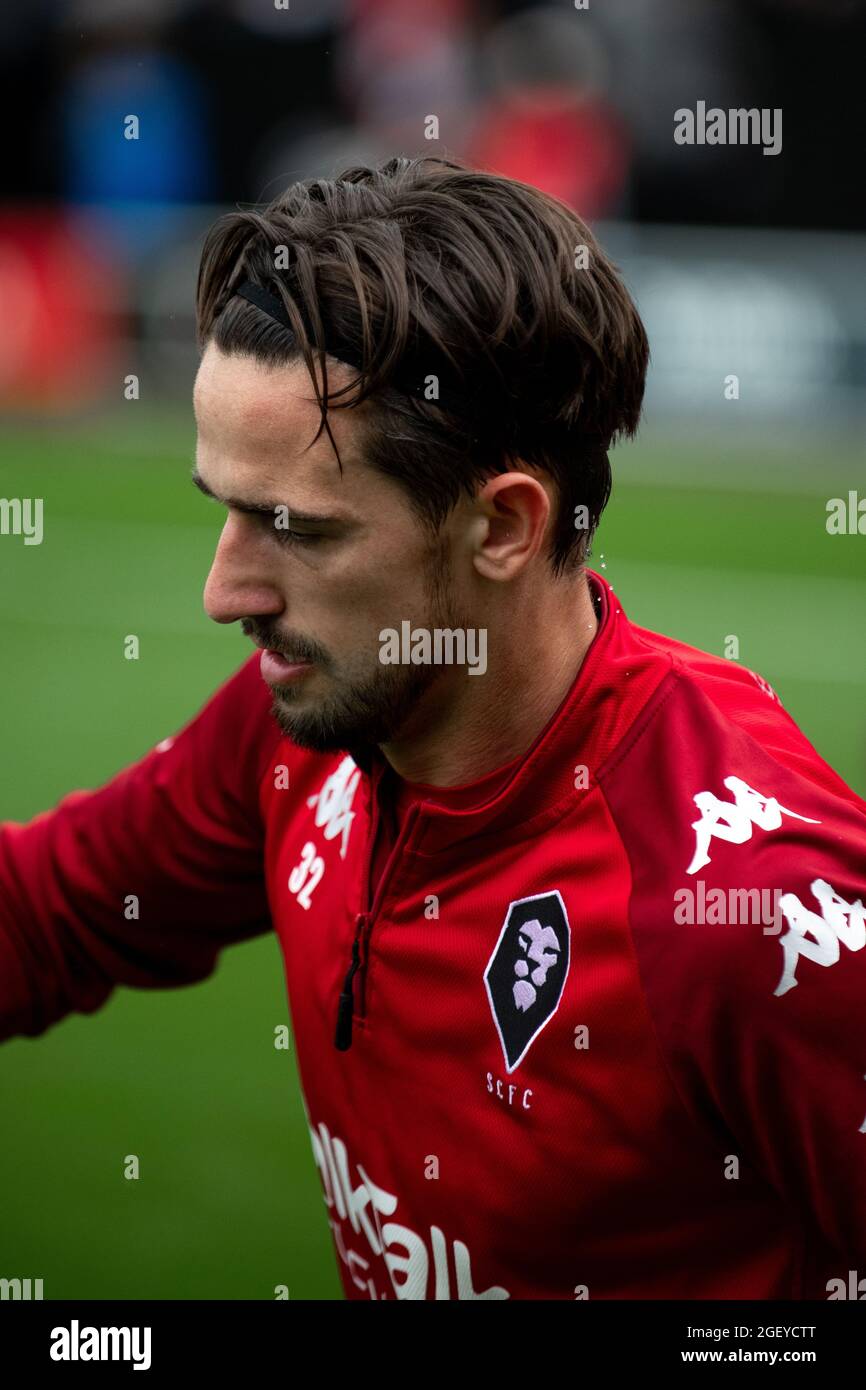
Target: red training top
{"points": [[602, 1030]]}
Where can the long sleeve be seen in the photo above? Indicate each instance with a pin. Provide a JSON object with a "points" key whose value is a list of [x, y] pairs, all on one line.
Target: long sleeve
{"points": [[144, 880], [748, 868]]}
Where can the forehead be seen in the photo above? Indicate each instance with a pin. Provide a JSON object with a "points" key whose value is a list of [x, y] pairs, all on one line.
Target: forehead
{"points": [[255, 423]]}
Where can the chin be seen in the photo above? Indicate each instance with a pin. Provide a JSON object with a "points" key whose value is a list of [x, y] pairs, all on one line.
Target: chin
{"points": [[307, 729]]}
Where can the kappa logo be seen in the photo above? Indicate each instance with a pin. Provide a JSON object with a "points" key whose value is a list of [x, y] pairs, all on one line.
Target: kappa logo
{"points": [[525, 976], [841, 923], [334, 814], [734, 820], [763, 684]]}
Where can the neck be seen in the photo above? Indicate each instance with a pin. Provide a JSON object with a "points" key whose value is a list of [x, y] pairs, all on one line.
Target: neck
{"points": [[480, 723]]}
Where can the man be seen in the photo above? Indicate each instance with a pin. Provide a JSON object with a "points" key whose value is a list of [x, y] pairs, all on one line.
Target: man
{"points": [[571, 913]]}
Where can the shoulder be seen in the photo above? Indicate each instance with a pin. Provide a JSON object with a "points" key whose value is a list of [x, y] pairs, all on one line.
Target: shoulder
{"points": [[747, 851], [708, 719]]}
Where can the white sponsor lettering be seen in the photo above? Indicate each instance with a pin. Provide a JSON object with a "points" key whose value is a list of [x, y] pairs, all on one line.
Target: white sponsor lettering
{"points": [[406, 1255]]}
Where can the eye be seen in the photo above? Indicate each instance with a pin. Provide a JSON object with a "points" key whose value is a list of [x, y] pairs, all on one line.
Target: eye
{"points": [[286, 536]]}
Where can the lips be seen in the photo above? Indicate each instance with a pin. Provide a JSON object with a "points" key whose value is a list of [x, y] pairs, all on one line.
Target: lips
{"points": [[277, 670]]}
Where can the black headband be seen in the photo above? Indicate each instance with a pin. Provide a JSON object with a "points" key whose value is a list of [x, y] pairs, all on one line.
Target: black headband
{"points": [[411, 382], [263, 299]]}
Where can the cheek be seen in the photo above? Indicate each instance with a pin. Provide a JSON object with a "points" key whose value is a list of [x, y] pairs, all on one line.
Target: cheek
{"points": [[382, 580], [358, 594], [337, 603]]}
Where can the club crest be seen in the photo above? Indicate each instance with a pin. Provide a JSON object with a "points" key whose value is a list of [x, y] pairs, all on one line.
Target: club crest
{"points": [[526, 974]]}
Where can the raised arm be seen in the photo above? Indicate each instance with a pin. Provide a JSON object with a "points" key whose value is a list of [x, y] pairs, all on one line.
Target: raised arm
{"points": [[144, 880]]}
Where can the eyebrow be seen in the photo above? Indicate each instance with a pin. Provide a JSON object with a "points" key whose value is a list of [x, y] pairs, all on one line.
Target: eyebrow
{"points": [[238, 504]]}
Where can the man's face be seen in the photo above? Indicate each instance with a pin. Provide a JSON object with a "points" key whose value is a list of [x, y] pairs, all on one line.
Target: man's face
{"points": [[328, 561]]}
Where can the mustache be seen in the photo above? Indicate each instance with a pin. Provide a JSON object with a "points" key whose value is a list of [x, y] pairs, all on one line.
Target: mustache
{"points": [[293, 648]]}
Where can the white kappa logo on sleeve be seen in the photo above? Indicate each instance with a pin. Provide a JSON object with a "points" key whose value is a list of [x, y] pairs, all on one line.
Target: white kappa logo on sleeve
{"points": [[333, 803], [735, 820], [841, 923]]}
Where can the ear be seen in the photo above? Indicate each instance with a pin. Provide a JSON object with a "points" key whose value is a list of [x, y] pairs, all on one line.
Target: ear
{"points": [[514, 512]]}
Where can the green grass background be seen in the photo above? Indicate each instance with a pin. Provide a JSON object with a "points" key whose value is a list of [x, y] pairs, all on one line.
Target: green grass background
{"points": [[700, 541]]}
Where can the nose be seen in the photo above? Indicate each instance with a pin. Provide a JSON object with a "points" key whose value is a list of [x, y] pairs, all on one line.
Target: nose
{"points": [[238, 585]]}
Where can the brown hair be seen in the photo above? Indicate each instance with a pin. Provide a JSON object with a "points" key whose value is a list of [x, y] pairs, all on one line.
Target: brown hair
{"points": [[459, 297]]}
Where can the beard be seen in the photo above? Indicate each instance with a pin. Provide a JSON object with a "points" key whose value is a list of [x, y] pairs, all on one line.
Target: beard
{"points": [[370, 705], [364, 712]]}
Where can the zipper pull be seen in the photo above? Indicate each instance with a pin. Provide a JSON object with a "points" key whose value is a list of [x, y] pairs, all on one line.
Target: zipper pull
{"points": [[346, 1005]]}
